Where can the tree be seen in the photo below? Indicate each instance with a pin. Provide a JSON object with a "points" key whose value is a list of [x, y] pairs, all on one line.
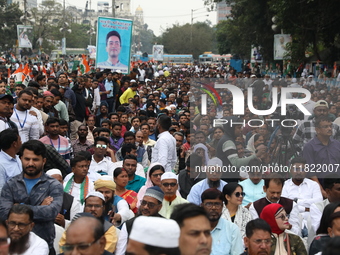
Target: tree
{"points": [[189, 39], [9, 19], [313, 24]]}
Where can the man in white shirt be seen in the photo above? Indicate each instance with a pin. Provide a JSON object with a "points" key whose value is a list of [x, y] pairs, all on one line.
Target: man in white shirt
{"points": [[27, 124], [100, 163], [164, 151], [302, 190], [23, 240]]}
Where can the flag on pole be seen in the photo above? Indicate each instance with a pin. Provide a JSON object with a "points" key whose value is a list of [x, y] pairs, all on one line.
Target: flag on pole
{"points": [[79, 71], [44, 71], [84, 65]]}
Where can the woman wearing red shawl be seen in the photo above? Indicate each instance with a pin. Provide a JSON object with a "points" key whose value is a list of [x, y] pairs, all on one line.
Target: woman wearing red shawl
{"points": [[283, 243]]}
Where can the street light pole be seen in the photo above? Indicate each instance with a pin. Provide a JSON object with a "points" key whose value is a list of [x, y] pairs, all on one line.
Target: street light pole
{"points": [[113, 8]]}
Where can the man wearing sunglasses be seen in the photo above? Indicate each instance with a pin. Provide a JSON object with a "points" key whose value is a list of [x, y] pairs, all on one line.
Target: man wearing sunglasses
{"points": [[23, 240], [169, 185], [226, 236], [100, 163]]}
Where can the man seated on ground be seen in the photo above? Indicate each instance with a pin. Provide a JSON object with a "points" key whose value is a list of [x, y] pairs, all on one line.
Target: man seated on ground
{"points": [[273, 185], [150, 206], [23, 240], [86, 230], [70, 206], [154, 236], [226, 236], [193, 219], [94, 206], [169, 185], [116, 209], [100, 163], [213, 180]]}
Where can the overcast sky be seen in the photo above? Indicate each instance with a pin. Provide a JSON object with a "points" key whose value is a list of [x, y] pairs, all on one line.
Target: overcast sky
{"points": [[160, 14]]}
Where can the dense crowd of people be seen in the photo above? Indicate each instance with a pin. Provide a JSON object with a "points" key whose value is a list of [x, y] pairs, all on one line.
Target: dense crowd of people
{"points": [[106, 163]]}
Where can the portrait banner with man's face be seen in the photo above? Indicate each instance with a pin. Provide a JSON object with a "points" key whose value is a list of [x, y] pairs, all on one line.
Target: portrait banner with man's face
{"points": [[25, 35], [114, 38]]}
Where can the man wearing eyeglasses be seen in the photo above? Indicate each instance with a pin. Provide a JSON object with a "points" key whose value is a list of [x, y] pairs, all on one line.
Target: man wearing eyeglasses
{"points": [[100, 163], [86, 236], [150, 205], [169, 185], [258, 238], [23, 240], [95, 205], [226, 236], [4, 239], [322, 152]]}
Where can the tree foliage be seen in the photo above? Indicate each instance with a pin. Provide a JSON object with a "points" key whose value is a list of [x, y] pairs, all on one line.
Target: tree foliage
{"points": [[189, 39], [313, 24], [9, 19]]}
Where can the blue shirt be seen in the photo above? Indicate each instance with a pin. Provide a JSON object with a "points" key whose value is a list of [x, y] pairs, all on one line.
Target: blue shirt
{"points": [[109, 86], [253, 191], [30, 184], [136, 183], [9, 167], [226, 239], [197, 190]]}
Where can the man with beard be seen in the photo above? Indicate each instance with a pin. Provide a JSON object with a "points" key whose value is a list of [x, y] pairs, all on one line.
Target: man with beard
{"points": [[150, 206], [81, 144], [23, 240], [116, 209], [258, 239], [193, 219], [152, 124], [169, 185], [214, 172], [135, 181], [164, 151], [180, 163], [226, 236], [33, 187], [79, 109], [60, 143], [95, 204], [302, 190], [27, 124]]}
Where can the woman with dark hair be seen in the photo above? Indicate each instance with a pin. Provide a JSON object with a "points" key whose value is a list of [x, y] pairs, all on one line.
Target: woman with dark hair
{"points": [[153, 178], [233, 210], [121, 179], [283, 243], [321, 239]]}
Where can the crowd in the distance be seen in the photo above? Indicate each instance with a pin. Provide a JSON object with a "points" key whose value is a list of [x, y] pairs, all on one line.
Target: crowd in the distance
{"points": [[107, 163]]}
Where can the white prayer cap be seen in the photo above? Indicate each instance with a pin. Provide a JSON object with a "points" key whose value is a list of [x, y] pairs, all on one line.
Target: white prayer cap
{"points": [[155, 231], [53, 171], [215, 162], [169, 176], [131, 81], [96, 194]]}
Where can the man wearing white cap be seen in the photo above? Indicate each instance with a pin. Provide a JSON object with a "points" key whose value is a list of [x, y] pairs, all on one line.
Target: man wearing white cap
{"points": [[152, 235], [70, 206], [213, 180], [94, 204], [169, 185], [151, 204]]}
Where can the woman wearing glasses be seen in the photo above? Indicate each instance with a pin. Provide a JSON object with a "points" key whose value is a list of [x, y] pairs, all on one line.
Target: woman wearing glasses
{"points": [[233, 210], [283, 243]]}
